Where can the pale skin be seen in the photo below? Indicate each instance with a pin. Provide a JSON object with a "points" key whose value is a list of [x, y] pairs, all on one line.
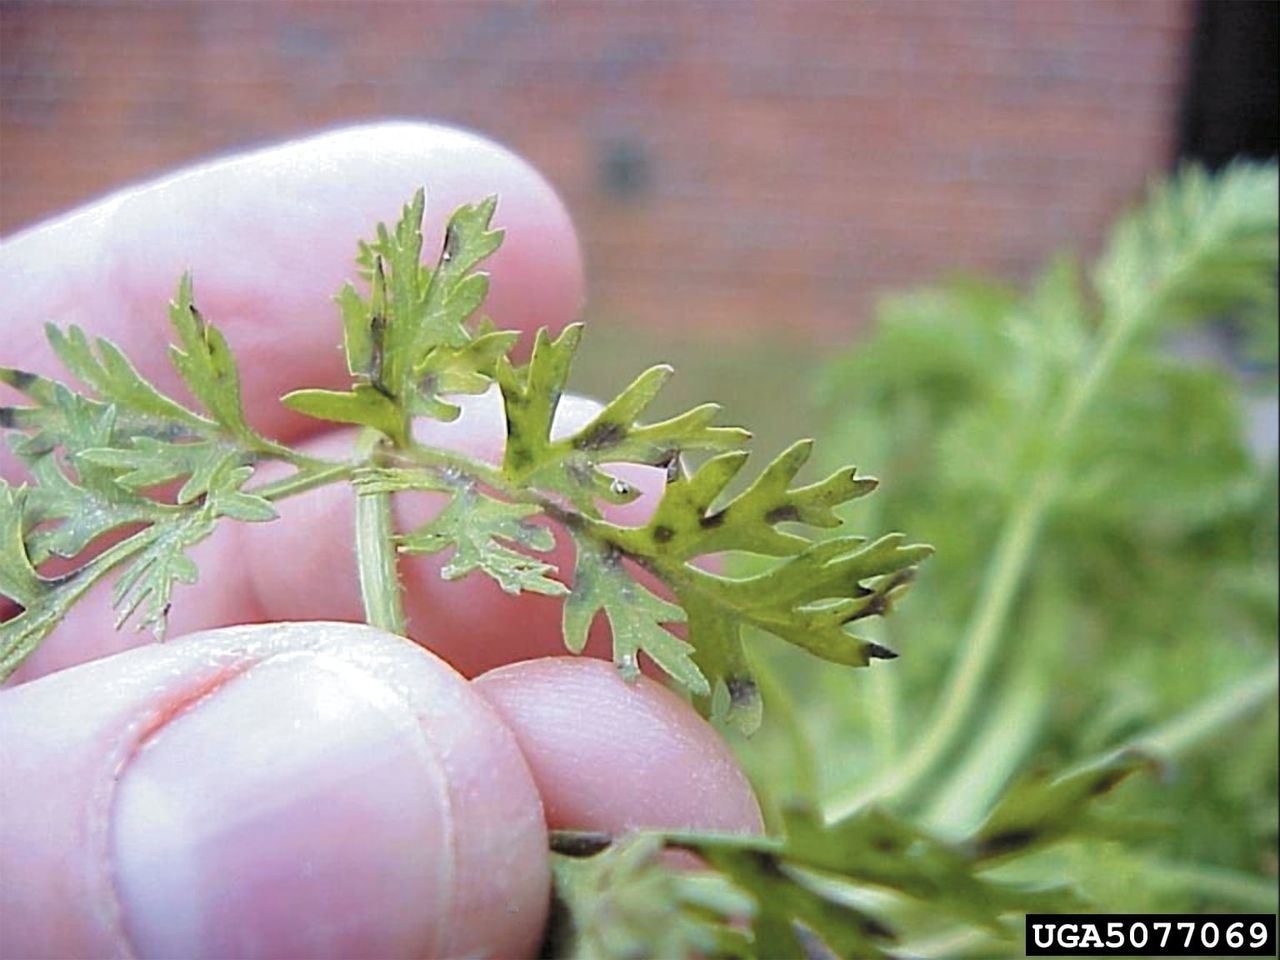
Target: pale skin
{"points": [[313, 789]]}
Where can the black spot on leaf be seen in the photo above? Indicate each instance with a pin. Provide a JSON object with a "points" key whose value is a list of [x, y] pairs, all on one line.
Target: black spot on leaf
{"points": [[782, 514], [20, 379], [599, 436], [741, 690], [1007, 841]]}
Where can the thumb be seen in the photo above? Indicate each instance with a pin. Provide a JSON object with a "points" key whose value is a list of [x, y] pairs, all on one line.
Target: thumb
{"points": [[306, 789]]}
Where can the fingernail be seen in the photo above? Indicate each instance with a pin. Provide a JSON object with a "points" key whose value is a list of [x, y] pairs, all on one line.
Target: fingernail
{"points": [[295, 811]]}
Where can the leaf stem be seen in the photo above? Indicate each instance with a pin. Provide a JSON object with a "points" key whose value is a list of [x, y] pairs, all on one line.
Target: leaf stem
{"points": [[308, 478], [375, 549], [1188, 729]]}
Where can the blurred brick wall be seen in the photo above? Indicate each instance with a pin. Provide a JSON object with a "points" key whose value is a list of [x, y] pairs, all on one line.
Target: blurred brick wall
{"points": [[731, 164]]}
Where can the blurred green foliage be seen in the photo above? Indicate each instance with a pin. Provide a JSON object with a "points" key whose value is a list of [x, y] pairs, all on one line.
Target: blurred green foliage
{"points": [[1106, 560], [1084, 712]]}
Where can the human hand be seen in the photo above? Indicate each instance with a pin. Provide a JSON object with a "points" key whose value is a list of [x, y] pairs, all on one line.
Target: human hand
{"points": [[312, 788]]}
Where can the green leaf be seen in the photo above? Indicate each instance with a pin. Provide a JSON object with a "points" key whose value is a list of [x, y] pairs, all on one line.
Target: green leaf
{"points": [[1038, 809], [363, 405], [791, 911], [570, 466], [808, 599], [72, 515], [18, 578], [473, 524], [622, 902], [614, 435], [148, 462], [101, 366], [635, 617], [206, 365], [455, 291], [409, 343], [876, 849], [469, 369], [146, 585], [225, 498], [530, 396], [73, 501]]}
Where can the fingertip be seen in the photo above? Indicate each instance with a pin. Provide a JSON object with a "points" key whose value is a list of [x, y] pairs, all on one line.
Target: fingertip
{"points": [[612, 755], [286, 790]]}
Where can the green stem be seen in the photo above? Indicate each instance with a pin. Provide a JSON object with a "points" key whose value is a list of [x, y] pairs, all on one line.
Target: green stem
{"points": [[376, 550], [306, 479], [31, 626], [1189, 729]]}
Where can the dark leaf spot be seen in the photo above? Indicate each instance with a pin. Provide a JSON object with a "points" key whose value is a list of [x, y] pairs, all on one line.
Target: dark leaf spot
{"points": [[1107, 782], [580, 844], [767, 863], [875, 606], [1007, 841], [742, 690], [599, 436], [712, 521], [782, 514], [670, 462], [874, 928], [662, 534], [21, 379], [876, 651], [8, 417]]}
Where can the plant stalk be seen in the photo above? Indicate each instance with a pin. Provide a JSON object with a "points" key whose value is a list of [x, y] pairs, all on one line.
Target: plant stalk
{"points": [[304, 480], [376, 550]]}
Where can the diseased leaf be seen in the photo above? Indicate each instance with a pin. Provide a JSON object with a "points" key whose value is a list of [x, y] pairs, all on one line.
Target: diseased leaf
{"points": [[409, 343], [18, 578], [469, 369], [363, 405], [1038, 809], [807, 599], [149, 463], [101, 366], [530, 396], [474, 524], [635, 615], [570, 466], [615, 435], [146, 585], [622, 901], [204, 361], [455, 292]]}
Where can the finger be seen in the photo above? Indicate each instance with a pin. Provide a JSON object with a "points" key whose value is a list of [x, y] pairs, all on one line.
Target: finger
{"points": [[613, 756], [302, 567], [270, 237], [287, 790]]}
